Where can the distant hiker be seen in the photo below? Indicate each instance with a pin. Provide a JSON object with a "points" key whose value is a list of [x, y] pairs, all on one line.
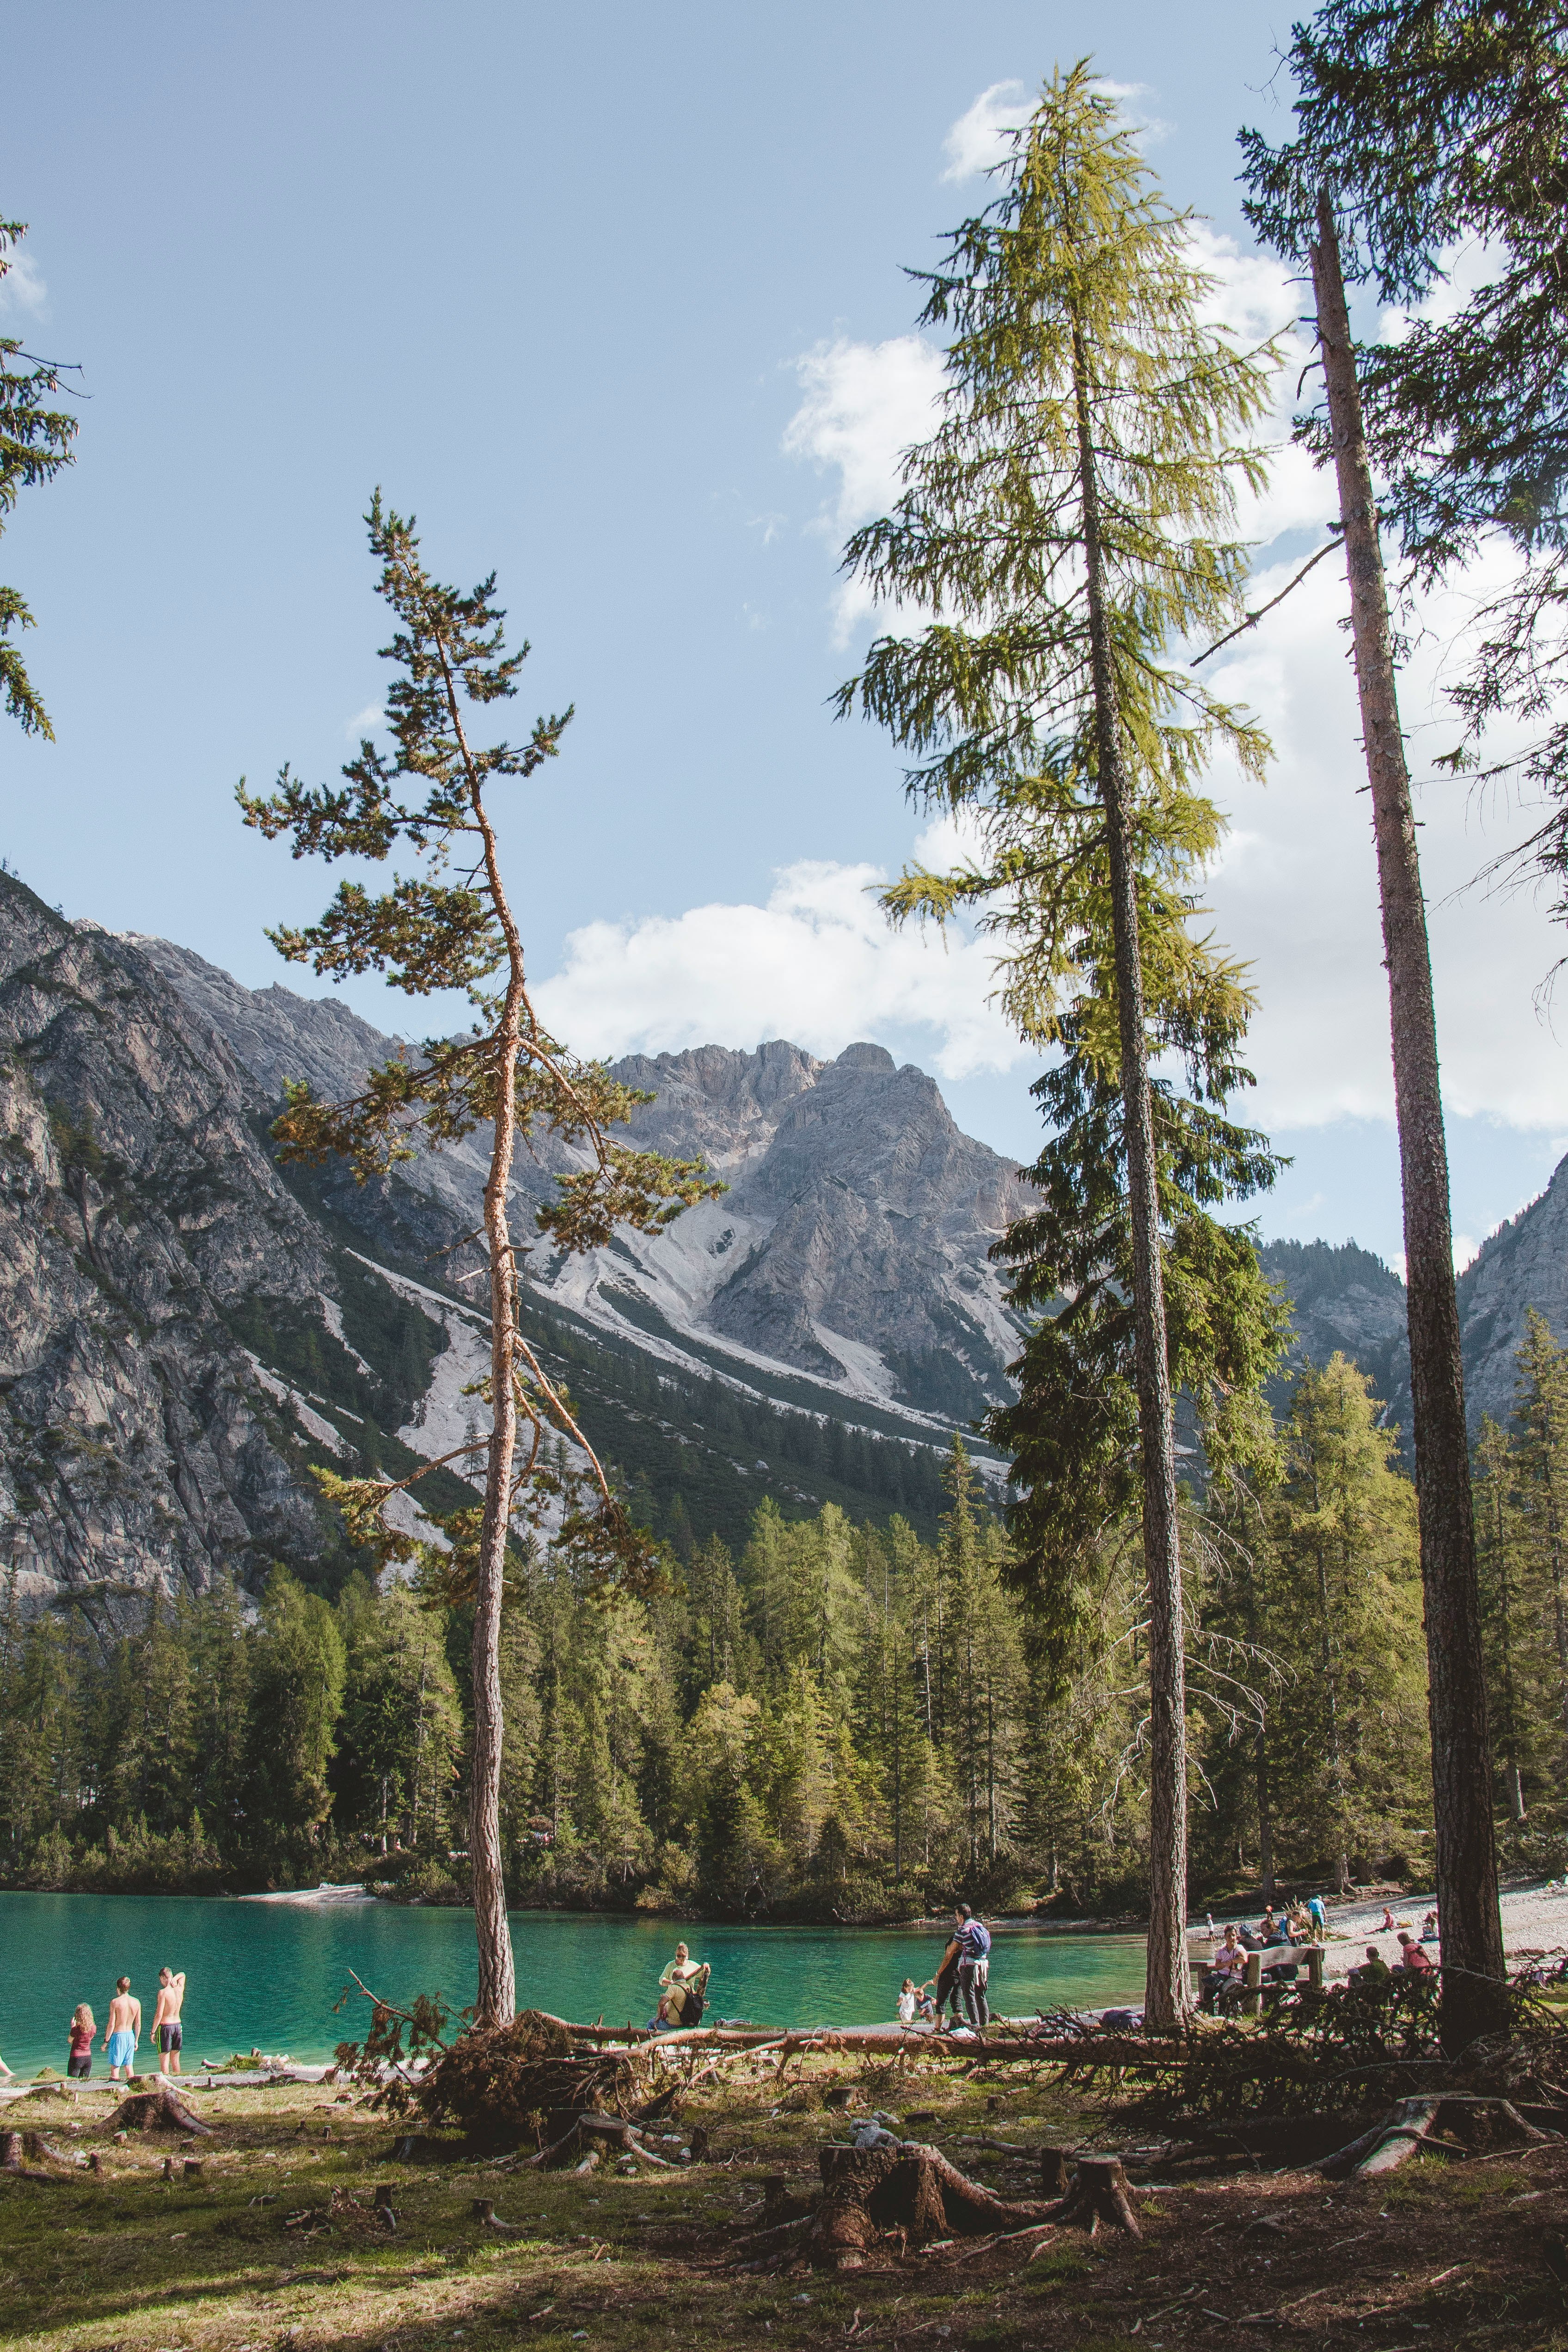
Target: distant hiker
{"points": [[1319, 1917], [83, 2026], [122, 2030], [974, 1966], [168, 2029]]}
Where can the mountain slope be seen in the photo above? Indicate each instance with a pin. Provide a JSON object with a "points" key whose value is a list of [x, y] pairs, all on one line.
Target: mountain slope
{"points": [[143, 1232], [849, 1250]]}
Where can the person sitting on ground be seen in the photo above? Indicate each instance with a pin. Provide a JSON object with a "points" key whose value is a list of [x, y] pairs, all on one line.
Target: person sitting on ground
{"points": [[1374, 1976], [1429, 1929], [1389, 1922], [1412, 1957]]}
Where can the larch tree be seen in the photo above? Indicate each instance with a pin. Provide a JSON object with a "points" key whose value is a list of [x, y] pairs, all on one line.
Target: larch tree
{"points": [[450, 926], [35, 443], [1297, 205], [1067, 526]]}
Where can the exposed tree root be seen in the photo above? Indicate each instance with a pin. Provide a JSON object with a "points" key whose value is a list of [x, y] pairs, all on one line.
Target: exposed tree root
{"points": [[1459, 2123]]}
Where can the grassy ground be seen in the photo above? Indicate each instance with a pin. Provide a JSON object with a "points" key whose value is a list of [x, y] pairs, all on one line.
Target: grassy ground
{"points": [[274, 2247]]}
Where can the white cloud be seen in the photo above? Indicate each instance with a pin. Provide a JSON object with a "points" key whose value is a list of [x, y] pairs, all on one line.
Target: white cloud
{"points": [[865, 405], [818, 964], [980, 136], [364, 722], [1296, 889], [22, 288], [1136, 117]]}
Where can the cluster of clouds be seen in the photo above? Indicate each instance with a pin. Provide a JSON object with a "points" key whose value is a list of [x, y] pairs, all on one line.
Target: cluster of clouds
{"points": [[815, 963], [1295, 890]]}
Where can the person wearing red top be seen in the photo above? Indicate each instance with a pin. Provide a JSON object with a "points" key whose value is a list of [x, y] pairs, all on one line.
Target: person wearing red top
{"points": [[82, 2029], [1412, 1957]]}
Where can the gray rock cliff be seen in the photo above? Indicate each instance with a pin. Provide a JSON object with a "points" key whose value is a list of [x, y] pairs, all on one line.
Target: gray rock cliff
{"points": [[137, 1209]]}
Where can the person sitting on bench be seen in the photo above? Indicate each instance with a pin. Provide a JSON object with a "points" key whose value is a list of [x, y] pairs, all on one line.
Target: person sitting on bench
{"points": [[1226, 1973]]}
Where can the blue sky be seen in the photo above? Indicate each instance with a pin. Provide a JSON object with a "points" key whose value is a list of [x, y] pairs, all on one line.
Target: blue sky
{"points": [[612, 296]]}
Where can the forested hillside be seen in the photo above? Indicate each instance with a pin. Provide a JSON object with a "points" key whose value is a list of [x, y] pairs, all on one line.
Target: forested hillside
{"points": [[825, 1720]]}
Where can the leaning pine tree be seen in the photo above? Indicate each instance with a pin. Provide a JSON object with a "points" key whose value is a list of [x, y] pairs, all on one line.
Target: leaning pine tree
{"points": [[1298, 205], [451, 926], [1065, 527]]}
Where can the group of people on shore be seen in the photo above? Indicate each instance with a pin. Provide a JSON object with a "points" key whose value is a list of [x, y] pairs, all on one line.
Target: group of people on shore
{"points": [[122, 2030], [960, 1983], [1305, 1923]]}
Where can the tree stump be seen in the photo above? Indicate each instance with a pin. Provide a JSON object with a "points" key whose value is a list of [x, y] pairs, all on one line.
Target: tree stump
{"points": [[1056, 2172], [10, 2151], [1099, 2193], [193, 2167], [910, 2188], [157, 2111]]}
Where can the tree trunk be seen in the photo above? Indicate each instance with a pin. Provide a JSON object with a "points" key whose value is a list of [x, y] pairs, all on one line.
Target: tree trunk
{"points": [[1474, 1999], [1265, 1820], [1167, 1987], [495, 2002]]}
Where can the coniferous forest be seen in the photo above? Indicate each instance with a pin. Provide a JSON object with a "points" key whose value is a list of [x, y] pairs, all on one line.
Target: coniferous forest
{"points": [[833, 1720]]}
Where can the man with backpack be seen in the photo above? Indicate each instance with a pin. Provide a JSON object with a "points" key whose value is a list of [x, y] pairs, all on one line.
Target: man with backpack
{"points": [[974, 1939]]}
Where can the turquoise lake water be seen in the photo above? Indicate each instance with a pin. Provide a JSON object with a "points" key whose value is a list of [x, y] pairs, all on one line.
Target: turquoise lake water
{"points": [[266, 1975]]}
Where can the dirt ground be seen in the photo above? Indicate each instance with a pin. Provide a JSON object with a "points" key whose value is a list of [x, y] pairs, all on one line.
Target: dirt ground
{"points": [[275, 2246]]}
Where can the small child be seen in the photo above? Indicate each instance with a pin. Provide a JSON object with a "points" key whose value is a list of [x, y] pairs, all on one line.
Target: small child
{"points": [[83, 2026]]}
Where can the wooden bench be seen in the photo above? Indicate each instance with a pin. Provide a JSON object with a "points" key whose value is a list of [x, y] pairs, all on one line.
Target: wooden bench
{"points": [[1273, 1955]]}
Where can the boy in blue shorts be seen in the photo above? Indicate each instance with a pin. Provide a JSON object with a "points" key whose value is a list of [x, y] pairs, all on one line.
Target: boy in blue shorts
{"points": [[122, 2030]]}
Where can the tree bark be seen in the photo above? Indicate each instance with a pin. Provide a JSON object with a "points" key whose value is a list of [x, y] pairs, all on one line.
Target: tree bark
{"points": [[1167, 1988], [496, 2001], [1473, 1998]]}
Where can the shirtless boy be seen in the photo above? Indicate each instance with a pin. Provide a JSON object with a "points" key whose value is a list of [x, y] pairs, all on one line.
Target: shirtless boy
{"points": [[122, 2030], [166, 2027]]}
